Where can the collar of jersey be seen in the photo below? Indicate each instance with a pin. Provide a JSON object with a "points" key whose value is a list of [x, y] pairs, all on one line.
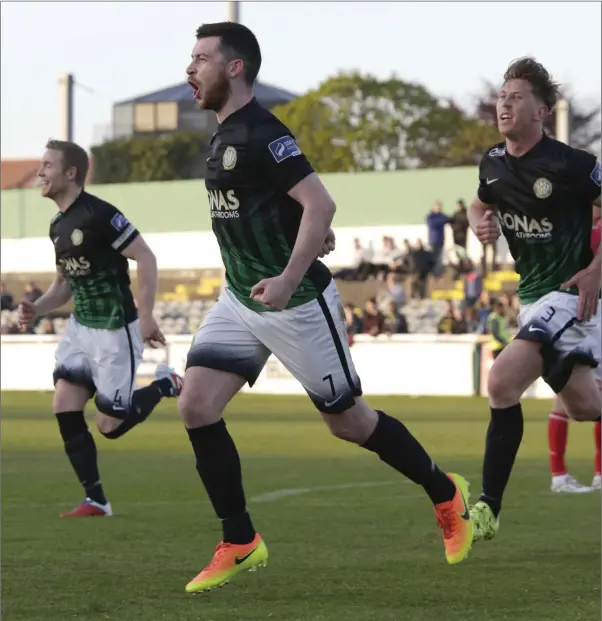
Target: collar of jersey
{"points": [[238, 113]]}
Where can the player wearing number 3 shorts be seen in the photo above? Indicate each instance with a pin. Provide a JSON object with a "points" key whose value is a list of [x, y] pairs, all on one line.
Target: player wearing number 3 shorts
{"points": [[540, 193]]}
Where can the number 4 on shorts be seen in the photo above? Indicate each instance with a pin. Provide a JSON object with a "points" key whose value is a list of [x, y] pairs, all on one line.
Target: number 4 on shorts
{"points": [[117, 400]]}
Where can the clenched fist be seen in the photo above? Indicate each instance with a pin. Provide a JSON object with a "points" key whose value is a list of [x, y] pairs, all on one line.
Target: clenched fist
{"points": [[488, 229]]}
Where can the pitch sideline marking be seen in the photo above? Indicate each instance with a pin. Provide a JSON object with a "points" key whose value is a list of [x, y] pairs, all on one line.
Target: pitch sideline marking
{"points": [[261, 498]]}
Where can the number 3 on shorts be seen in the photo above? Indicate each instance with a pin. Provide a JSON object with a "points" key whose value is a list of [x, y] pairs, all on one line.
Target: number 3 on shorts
{"points": [[547, 316]]}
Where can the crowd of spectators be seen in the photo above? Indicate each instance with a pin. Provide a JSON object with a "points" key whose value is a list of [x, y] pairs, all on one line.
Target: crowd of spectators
{"points": [[8, 302], [470, 317], [402, 271], [416, 261], [386, 316], [406, 269]]}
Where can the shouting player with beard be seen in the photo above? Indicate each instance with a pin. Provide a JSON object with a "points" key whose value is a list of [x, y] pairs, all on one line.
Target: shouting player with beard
{"points": [[271, 216]]}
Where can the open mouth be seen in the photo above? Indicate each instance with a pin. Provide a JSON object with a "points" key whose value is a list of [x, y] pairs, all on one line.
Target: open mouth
{"points": [[506, 116], [195, 89]]}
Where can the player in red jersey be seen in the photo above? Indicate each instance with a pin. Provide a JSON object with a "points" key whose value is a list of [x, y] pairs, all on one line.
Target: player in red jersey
{"points": [[558, 423]]}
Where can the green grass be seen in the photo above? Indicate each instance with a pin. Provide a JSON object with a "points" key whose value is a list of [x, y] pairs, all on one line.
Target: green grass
{"points": [[366, 553]]}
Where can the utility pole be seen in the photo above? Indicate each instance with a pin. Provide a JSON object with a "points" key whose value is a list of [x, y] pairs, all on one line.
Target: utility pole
{"points": [[234, 12], [66, 101]]}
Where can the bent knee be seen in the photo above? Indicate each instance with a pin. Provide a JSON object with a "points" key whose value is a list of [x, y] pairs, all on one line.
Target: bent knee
{"points": [[198, 409], [69, 397], [345, 431], [355, 425], [501, 391], [107, 424], [585, 411]]}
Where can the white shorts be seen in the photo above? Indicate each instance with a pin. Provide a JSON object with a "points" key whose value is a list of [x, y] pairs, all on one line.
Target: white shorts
{"points": [[105, 361], [557, 313], [310, 340]]}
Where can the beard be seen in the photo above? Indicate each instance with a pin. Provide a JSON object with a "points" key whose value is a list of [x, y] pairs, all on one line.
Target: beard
{"points": [[215, 97]]}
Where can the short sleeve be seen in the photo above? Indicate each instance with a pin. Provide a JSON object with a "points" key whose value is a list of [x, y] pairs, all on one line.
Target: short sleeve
{"points": [[484, 193], [115, 228], [585, 172], [279, 157]]}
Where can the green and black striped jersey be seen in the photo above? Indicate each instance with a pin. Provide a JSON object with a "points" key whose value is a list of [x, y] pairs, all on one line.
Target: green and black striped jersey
{"points": [[543, 201], [88, 240], [254, 161]]}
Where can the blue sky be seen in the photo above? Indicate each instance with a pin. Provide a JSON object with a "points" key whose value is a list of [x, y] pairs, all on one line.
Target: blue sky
{"points": [[122, 49]]}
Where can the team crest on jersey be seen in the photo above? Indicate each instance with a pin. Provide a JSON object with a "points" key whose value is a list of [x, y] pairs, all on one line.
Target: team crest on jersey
{"points": [[229, 158], [542, 188], [77, 237]]}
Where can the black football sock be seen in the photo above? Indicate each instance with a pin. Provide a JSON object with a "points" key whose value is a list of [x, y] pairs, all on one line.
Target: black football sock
{"points": [[144, 401], [218, 465], [504, 436], [81, 450], [398, 448]]}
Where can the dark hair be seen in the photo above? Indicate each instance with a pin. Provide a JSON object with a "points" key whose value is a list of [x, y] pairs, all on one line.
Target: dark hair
{"points": [[73, 156], [528, 69], [236, 42]]}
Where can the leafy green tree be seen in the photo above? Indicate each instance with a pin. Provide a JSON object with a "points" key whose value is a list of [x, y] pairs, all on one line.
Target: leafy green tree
{"points": [[358, 122], [163, 157]]}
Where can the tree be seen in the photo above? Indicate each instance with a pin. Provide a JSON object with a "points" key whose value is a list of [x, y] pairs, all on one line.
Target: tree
{"points": [[471, 142], [354, 122], [314, 124], [584, 120], [150, 158]]}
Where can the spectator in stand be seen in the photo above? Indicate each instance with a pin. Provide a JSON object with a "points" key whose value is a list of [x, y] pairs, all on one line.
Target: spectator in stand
{"points": [[473, 285], [498, 328], [361, 267], [45, 327], [494, 265], [484, 308], [32, 292], [459, 325], [373, 320], [509, 312], [392, 290], [403, 263], [384, 257], [514, 311], [459, 226], [446, 322], [6, 297], [473, 322], [397, 259], [436, 221], [423, 264], [352, 321], [395, 321]]}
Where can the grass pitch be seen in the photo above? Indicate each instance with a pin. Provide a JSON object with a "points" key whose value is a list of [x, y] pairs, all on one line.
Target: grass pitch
{"points": [[349, 539]]}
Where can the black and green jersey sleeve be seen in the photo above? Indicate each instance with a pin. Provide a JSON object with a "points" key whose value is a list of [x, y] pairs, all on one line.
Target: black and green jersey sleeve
{"points": [[115, 228]]}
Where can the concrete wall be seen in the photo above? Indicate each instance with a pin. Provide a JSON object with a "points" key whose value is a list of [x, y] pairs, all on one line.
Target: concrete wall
{"points": [[363, 199]]}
